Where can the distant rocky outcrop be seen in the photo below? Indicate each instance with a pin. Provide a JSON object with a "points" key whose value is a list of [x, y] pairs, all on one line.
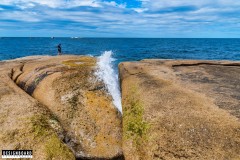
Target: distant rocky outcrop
{"points": [[64, 113], [181, 109]]}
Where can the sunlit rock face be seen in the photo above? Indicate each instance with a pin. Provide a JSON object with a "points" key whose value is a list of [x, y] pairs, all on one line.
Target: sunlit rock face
{"points": [[82, 113], [180, 109]]}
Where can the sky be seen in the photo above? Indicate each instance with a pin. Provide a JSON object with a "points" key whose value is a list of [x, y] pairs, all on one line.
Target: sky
{"points": [[120, 18]]}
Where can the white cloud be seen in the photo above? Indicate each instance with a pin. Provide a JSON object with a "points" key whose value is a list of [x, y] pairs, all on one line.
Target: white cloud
{"points": [[20, 16], [140, 10], [52, 3], [113, 18], [160, 4]]}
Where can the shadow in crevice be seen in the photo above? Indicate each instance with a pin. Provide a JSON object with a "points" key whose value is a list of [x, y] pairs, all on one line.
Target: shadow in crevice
{"points": [[119, 157]]}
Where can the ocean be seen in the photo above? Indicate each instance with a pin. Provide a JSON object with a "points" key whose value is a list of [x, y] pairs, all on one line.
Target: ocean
{"points": [[124, 49], [111, 51]]}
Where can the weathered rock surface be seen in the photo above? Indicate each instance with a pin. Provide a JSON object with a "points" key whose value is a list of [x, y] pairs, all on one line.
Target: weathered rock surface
{"points": [[181, 109], [67, 112], [25, 123]]}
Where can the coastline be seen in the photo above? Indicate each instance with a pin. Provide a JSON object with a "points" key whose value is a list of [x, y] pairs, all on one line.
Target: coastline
{"points": [[171, 109]]}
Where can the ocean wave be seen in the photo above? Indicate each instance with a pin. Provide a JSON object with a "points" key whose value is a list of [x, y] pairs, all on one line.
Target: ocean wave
{"points": [[109, 76]]}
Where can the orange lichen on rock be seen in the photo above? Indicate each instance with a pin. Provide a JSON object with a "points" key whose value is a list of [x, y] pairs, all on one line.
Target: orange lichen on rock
{"points": [[81, 62]]}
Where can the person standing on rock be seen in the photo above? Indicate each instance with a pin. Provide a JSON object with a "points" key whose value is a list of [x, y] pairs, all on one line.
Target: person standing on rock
{"points": [[59, 49]]}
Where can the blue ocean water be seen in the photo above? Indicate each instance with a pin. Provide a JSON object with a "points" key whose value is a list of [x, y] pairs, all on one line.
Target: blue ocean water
{"points": [[124, 49]]}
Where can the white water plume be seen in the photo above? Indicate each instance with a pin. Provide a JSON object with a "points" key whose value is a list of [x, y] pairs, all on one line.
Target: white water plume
{"points": [[110, 78]]}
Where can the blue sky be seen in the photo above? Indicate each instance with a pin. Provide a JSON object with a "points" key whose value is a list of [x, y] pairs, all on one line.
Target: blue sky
{"points": [[121, 18]]}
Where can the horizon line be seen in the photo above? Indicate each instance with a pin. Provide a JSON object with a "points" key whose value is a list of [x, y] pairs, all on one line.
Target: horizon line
{"points": [[76, 37]]}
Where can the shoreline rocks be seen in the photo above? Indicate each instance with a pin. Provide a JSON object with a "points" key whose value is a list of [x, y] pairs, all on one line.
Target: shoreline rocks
{"points": [[172, 109], [83, 117], [182, 109]]}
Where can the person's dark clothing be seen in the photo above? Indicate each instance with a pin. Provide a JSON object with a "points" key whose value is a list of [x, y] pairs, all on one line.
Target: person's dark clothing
{"points": [[59, 49]]}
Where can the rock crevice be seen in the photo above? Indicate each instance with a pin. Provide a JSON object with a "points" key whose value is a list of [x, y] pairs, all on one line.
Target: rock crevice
{"points": [[80, 115]]}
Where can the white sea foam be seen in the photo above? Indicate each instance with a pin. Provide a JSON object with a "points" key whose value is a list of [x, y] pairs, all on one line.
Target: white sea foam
{"points": [[109, 76]]}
